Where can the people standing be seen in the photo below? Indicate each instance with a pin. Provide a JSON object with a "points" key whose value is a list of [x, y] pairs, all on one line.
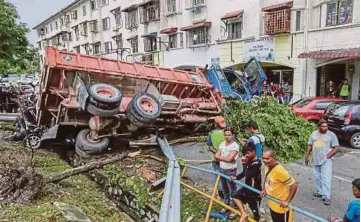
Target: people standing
{"points": [[215, 138], [324, 145], [353, 210], [344, 89], [227, 156], [331, 89], [253, 178], [257, 138], [278, 184]]}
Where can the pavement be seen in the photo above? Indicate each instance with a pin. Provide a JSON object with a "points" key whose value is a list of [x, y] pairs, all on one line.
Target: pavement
{"points": [[346, 167]]}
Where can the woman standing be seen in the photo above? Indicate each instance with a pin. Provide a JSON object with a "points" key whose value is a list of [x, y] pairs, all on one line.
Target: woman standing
{"points": [[331, 89], [227, 156], [344, 89]]}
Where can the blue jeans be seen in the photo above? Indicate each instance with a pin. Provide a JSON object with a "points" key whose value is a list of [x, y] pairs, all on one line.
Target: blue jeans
{"points": [[323, 177], [215, 168], [228, 187]]}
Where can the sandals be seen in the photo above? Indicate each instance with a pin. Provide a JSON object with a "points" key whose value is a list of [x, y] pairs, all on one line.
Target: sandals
{"points": [[232, 216]]}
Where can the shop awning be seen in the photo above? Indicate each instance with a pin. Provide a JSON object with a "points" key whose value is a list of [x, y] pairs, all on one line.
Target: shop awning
{"points": [[231, 15], [130, 8], [145, 3], [151, 34], [197, 25], [332, 54], [169, 30], [132, 37], [285, 5]]}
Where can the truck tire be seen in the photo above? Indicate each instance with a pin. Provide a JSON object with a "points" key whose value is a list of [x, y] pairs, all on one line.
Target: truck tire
{"points": [[102, 105], [105, 93], [88, 146], [81, 153], [146, 105], [96, 111], [135, 119], [142, 119]]}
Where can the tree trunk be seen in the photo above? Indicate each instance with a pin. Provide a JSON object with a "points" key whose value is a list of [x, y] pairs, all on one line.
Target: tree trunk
{"points": [[78, 170], [186, 139]]}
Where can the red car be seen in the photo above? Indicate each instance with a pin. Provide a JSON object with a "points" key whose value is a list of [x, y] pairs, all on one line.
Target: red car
{"points": [[312, 108]]}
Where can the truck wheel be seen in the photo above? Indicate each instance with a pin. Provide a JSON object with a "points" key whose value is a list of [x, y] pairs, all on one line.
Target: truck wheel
{"points": [[81, 153], [355, 141], [142, 119], [33, 141], [146, 105], [84, 143], [101, 112], [135, 119], [102, 105], [105, 93]]}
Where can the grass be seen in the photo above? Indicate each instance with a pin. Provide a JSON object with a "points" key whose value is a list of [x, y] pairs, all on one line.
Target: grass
{"points": [[77, 191]]}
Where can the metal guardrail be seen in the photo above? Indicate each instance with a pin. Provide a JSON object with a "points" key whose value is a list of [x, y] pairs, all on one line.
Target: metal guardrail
{"points": [[296, 209], [170, 209]]}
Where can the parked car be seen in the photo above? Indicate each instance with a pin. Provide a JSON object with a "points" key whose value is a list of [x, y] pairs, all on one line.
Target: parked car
{"points": [[312, 108], [343, 118]]}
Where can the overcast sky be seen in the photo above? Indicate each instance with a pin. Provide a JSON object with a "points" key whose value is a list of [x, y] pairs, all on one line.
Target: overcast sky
{"points": [[34, 12]]}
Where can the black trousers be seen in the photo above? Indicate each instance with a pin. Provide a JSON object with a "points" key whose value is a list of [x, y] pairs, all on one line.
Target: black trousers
{"points": [[277, 217], [250, 199]]}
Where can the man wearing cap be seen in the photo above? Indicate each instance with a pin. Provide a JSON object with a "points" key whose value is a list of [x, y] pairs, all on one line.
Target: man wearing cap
{"points": [[215, 138]]}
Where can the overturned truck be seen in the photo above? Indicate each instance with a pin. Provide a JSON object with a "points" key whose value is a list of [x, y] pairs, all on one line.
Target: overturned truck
{"points": [[90, 99]]}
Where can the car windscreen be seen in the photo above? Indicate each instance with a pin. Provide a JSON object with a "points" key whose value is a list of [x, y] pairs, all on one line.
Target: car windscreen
{"points": [[339, 110], [302, 102]]}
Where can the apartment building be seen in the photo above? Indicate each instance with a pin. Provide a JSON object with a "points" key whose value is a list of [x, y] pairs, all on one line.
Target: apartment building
{"points": [[189, 33]]}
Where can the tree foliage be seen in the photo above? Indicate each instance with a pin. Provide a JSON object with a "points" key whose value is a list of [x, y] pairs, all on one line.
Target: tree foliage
{"points": [[285, 133], [16, 54]]}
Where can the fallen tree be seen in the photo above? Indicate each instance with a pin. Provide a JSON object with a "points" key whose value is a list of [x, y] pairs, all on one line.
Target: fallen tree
{"points": [[285, 133], [22, 184]]}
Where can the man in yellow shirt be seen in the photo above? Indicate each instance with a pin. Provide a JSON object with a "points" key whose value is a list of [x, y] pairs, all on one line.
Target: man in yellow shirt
{"points": [[278, 184]]}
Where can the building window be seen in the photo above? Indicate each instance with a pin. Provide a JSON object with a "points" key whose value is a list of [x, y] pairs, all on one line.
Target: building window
{"points": [[234, 29], [117, 16], [181, 44], [298, 20], [197, 2], [84, 10], [77, 49], [105, 2], [171, 6], [118, 41], [96, 48], [198, 36], [106, 23], [74, 14], [69, 36], [134, 44], [56, 25], [93, 5], [67, 19], [149, 12], [84, 31], [46, 30], [339, 12], [86, 48], [277, 22], [131, 19], [76, 30], [94, 26], [150, 44], [61, 21], [108, 47], [51, 27], [173, 41]]}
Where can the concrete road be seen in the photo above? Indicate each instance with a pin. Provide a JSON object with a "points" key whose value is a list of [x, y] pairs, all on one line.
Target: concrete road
{"points": [[346, 167]]}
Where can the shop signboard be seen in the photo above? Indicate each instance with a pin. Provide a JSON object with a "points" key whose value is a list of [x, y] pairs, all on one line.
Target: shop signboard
{"points": [[263, 49]]}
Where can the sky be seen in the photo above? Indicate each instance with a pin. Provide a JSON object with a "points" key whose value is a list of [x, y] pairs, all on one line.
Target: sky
{"points": [[34, 12]]}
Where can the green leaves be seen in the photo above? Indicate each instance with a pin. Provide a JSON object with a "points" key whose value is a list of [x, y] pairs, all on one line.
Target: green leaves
{"points": [[16, 54], [285, 133]]}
